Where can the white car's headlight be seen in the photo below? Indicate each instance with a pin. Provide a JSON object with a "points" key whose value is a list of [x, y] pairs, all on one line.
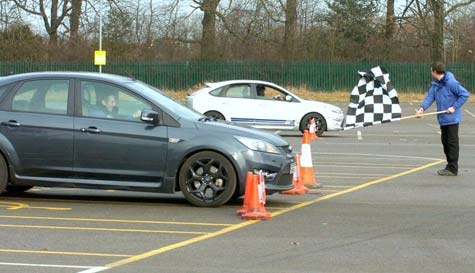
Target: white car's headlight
{"points": [[337, 111], [258, 145]]}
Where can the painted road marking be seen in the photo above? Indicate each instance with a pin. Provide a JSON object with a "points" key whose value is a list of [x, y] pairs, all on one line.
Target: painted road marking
{"points": [[106, 229], [17, 206], [112, 220], [251, 222], [366, 164], [359, 166], [95, 269], [52, 265], [379, 155], [470, 113], [43, 252]]}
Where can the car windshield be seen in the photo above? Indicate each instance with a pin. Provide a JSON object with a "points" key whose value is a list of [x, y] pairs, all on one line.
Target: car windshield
{"points": [[165, 101]]}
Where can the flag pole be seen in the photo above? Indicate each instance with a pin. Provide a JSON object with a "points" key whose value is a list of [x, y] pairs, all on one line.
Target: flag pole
{"points": [[423, 115]]}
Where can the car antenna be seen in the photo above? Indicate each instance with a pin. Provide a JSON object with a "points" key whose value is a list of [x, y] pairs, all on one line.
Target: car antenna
{"points": [[130, 75]]}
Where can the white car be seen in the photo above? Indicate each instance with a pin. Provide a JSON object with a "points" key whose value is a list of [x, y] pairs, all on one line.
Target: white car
{"points": [[263, 105]]}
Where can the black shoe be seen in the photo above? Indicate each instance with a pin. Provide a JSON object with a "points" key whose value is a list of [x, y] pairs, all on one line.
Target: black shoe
{"points": [[445, 172]]}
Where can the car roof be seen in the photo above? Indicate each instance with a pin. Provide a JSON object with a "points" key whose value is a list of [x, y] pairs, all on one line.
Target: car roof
{"points": [[224, 83], [84, 75]]}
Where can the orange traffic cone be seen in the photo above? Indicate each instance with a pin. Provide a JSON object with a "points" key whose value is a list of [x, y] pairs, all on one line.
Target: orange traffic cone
{"points": [[312, 128], [247, 194], [299, 187], [307, 176], [257, 200]]}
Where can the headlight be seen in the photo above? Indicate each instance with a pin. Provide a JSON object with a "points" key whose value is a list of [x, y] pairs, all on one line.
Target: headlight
{"points": [[337, 111], [258, 145]]}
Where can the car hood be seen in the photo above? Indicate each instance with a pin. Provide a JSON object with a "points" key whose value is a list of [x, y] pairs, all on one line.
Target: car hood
{"points": [[226, 128], [321, 105]]}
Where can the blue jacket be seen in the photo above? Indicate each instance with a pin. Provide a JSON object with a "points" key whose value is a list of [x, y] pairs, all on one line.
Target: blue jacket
{"points": [[447, 92]]}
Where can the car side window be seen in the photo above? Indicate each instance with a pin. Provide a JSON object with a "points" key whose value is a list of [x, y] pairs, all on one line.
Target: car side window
{"points": [[42, 96], [238, 91], [100, 100], [216, 92], [265, 92]]}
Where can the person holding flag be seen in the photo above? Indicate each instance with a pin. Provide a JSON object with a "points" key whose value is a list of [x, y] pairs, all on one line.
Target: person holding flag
{"points": [[449, 96]]}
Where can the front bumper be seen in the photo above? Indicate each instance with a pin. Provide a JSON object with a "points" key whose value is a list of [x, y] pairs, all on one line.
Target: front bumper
{"points": [[277, 169], [335, 122]]}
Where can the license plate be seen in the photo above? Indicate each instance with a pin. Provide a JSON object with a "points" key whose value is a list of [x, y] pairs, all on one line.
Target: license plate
{"points": [[293, 168]]}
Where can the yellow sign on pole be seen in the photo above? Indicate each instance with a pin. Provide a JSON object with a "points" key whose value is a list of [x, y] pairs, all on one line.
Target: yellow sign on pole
{"points": [[100, 57]]}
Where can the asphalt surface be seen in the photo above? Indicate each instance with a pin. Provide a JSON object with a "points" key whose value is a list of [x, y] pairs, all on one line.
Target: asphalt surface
{"points": [[382, 208]]}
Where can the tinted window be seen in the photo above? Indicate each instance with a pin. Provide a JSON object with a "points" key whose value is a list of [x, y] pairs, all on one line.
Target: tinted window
{"points": [[238, 91], [42, 96], [101, 100]]}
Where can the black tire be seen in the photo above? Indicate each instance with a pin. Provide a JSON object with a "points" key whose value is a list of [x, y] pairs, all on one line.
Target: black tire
{"points": [[3, 174], [319, 120], [207, 179], [215, 115], [17, 189]]}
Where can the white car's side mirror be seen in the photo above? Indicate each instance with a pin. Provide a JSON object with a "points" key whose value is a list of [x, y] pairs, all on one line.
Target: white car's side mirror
{"points": [[288, 98]]}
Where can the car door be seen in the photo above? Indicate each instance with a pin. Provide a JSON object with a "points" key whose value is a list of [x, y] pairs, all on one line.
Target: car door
{"points": [[236, 103], [111, 142], [37, 119], [273, 108]]}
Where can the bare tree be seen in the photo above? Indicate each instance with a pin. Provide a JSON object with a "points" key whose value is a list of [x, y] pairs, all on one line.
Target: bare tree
{"points": [[208, 35], [76, 9], [58, 12], [290, 29], [390, 26]]}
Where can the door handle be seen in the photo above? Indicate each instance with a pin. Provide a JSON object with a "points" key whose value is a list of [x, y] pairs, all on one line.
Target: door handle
{"points": [[91, 129], [11, 123]]}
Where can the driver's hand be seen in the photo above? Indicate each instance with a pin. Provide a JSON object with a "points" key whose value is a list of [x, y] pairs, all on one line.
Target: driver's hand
{"points": [[451, 110], [419, 113]]}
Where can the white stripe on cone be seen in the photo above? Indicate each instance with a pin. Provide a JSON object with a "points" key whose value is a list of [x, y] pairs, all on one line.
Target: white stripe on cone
{"points": [[306, 158]]}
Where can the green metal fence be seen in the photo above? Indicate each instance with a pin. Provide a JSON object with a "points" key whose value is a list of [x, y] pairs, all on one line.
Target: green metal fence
{"points": [[322, 76]]}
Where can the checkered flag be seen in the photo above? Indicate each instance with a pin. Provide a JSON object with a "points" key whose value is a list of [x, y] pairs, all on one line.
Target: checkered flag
{"points": [[373, 100]]}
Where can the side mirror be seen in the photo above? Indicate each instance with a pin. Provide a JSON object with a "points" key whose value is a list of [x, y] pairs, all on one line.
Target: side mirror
{"points": [[288, 98], [150, 116]]}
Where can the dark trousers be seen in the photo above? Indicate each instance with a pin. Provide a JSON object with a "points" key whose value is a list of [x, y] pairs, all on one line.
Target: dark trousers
{"points": [[450, 141]]}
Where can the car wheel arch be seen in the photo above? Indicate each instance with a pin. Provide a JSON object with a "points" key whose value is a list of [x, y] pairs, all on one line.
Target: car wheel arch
{"points": [[5, 159], [189, 154]]}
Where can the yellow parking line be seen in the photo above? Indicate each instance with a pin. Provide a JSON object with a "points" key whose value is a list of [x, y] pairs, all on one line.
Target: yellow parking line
{"points": [[17, 206], [62, 253], [40, 198], [112, 220], [250, 222], [356, 188], [106, 229]]}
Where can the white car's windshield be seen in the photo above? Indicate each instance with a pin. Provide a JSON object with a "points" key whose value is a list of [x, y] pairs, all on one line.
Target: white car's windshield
{"points": [[161, 99]]}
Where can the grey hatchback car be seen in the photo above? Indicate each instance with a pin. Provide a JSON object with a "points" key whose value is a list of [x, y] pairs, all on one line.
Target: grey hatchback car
{"points": [[101, 131]]}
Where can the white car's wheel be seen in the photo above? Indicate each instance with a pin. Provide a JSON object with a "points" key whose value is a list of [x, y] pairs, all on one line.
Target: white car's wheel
{"points": [[319, 120], [214, 114]]}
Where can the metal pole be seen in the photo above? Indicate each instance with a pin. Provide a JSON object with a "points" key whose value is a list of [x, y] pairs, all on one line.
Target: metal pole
{"points": [[100, 31]]}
